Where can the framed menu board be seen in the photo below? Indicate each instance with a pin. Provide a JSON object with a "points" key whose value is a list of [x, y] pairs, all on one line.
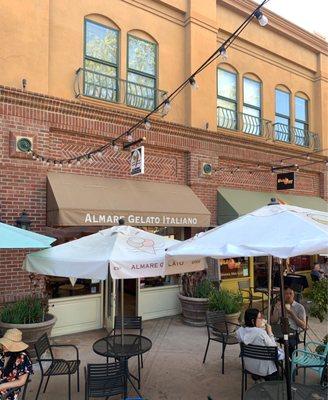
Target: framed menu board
{"points": [[234, 267]]}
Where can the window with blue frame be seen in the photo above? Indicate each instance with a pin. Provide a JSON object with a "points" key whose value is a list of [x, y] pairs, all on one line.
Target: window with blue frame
{"points": [[252, 106], [100, 61], [282, 118], [301, 121], [141, 74], [226, 99]]}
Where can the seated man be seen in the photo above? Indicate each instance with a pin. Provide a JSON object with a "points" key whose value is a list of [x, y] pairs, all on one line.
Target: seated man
{"points": [[296, 316], [317, 274]]}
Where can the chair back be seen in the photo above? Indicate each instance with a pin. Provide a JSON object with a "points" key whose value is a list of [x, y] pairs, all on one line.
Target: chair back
{"points": [[105, 379], [216, 322], [129, 323], [269, 353], [314, 278], [41, 346], [244, 285]]}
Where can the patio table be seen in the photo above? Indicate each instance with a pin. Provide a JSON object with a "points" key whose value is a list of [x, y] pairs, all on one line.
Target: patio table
{"points": [[123, 348], [276, 390], [277, 332]]}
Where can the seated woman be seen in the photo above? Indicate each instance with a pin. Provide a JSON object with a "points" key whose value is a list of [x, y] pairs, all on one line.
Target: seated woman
{"points": [[255, 332], [15, 364]]}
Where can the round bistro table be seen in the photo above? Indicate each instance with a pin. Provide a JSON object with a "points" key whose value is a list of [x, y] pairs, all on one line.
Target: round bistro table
{"points": [[123, 348]]}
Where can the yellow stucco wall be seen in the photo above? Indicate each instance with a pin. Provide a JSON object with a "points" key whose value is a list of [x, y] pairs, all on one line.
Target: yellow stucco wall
{"points": [[42, 41]]}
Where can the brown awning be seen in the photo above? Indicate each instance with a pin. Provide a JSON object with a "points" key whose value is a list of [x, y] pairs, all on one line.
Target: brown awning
{"points": [[79, 200]]}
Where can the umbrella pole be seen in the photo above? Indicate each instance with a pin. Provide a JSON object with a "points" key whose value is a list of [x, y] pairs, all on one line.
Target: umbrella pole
{"points": [[122, 312], [269, 288], [285, 330]]}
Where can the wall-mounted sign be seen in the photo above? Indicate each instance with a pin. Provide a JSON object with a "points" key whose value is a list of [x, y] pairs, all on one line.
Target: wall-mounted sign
{"points": [[285, 180], [137, 162]]}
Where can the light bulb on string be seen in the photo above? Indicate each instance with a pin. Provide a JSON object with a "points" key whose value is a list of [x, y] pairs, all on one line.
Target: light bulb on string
{"points": [[263, 20], [78, 162], [90, 158], [147, 124], [193, 83], [308, 157], [166, 107], [129, 137], [99, 153], [115, 148], [223, 53]]}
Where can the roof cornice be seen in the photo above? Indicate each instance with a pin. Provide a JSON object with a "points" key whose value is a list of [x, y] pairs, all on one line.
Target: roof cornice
{"points": [[281, 25]]}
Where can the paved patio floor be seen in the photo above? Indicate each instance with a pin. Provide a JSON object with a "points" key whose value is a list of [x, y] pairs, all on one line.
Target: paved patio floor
{"points": [[173, 368]]}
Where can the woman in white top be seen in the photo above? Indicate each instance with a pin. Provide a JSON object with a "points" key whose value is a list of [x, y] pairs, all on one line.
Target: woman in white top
{"points": [[260, 334]]}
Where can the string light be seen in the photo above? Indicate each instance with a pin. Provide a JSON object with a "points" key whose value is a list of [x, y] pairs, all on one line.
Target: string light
{"points": [[166, 106], [193, 83], [223, 53], [263, 20], [115, 148], [147, 124], [129, 137]]}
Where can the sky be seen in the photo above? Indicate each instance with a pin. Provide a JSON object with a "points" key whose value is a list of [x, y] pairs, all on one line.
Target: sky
{"points": [[311, 15]]}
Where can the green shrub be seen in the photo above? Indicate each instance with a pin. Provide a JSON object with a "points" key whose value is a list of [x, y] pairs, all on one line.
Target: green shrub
{"points": [[29, 310], [225, 300], [203, 289], [319, 298]]}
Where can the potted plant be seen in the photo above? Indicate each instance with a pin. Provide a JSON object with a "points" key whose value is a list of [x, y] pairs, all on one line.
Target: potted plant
{"points": [[319, 299], [29, 315], [230, 303], [194, 298]]}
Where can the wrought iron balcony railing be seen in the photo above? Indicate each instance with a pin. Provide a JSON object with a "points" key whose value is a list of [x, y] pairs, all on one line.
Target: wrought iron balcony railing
{"points": [[300, 137], [105, 87], [230, 119]]}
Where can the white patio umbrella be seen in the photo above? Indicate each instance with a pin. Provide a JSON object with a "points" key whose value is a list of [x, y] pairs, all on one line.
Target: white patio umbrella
{"points": [[278, 230], [130, 252]]}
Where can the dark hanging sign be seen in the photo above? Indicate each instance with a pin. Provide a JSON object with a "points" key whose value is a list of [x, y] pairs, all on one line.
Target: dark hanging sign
{"points": [[285, 180]]}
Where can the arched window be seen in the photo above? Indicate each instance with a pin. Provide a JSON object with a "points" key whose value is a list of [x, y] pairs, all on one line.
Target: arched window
{"points": [[301, 119], [100, 61], [141, 71], [252, 105], [282, 119], [227, 98]]}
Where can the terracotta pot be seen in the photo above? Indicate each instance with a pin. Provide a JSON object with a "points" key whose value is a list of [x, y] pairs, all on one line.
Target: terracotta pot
{"points": [[193, 310], [31, 332]]}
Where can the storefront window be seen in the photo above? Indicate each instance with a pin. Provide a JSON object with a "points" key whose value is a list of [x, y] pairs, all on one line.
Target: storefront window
{"points": [[234, 267], [300, 263], [61, 287], [159, 281]]}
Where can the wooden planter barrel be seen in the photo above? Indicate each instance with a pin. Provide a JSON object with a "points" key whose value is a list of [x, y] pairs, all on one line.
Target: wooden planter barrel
{"points": [[31, 332], [193, 310]]}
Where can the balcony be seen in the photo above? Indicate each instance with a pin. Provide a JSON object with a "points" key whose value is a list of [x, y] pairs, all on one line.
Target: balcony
{"points": [[105, 87], [251, 125]]}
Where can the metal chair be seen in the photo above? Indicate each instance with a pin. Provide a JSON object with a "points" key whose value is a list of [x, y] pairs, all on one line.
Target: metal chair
{"points": [[130, 323], [219, 330], [105, 380], [57, 366], [310, 358], [268, 353], [248, 291]]}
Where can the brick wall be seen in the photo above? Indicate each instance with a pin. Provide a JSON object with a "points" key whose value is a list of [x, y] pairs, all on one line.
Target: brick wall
{"points": [[174, 154]]}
